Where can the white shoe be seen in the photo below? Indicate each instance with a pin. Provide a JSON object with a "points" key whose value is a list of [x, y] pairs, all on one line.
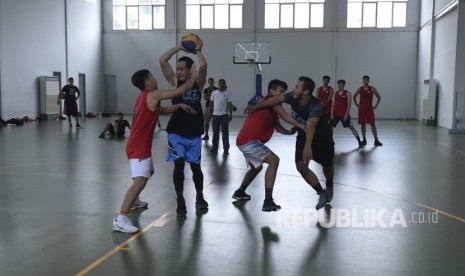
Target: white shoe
{"points": [[121, 223], [138, 204]]}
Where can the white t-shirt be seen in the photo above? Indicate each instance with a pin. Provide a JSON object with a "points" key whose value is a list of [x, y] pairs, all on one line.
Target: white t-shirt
{"points": [[221, 100]]}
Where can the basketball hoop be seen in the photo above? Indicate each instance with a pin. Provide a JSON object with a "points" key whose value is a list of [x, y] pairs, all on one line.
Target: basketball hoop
{"points": [[250, 60]]}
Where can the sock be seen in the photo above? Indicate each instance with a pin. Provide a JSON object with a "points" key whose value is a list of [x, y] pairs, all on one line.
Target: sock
{"points": [[319, 189], [268, 193], [329, 184]]}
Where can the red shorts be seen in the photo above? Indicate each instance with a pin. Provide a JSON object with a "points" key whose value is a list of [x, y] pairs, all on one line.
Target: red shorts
{"points": [[366, 117]]}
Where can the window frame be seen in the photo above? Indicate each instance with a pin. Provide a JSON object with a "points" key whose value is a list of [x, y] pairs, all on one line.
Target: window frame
{"points": [[361, 23], [126, 7], [279, 4], [198, 7]]}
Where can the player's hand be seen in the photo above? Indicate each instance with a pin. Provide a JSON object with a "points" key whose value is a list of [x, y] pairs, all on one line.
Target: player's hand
{"points": [[249, 109], [307, 154], [346, 117], [199, 47], [187, 108], [293, 130]]}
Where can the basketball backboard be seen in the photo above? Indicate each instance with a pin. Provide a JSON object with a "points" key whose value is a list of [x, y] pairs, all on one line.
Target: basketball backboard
{"points": [[247, 52]]}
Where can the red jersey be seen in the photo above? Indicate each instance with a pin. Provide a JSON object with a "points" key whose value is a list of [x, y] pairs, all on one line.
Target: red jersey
{"points": [[366, 98], [341, 103], [323, 96], [143, 126], [259, 126]]}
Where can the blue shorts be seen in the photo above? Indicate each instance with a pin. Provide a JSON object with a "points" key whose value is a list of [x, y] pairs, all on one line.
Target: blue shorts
{"points": [[188, 148]]}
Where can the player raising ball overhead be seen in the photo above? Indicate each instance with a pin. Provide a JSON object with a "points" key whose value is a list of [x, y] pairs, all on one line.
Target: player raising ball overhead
{"points": [[185, 130]]}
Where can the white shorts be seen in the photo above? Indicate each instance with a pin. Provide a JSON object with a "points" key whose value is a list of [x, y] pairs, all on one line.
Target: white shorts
{"points": [[141, 167], [254, 152]]}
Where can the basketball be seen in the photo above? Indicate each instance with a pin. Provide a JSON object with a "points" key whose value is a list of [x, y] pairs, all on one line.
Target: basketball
{"points": [[190, 42]]}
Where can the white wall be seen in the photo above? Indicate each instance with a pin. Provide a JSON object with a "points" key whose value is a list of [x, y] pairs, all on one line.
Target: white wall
{"points": [[389, 57], [34, 44], [442, 41]]}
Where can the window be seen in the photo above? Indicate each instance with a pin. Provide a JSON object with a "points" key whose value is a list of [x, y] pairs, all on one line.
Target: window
{"points": [[138, 14], [214, 14], [297, 14], [376, 13]]}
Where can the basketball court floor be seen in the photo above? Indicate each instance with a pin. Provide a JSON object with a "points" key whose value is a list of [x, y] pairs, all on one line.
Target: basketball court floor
{"points": [[398, 209]]}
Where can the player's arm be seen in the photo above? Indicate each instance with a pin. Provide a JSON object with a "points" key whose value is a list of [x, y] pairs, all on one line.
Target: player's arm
{"points": [[269, 102], [309, 134], [355, 97], [158, 95], [378, 97], [202, 73], [164, 110], [78, 93], [166, 67], [333, 100], [230, 110], [349, 104], [279, 128], [278, 109]]}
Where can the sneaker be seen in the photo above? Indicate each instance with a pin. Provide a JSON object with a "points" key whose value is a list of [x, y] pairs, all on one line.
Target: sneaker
{"points": [[205, 137], [322, 200], [181, 210], [78, 125], [364, 142], [101, 135], [269, 205], [378, 143], [241, 195], [121, 223], [360, 144], [70, 125], [226, 152], [201, 203], [139, 204], [213, 150], [329, 194]]}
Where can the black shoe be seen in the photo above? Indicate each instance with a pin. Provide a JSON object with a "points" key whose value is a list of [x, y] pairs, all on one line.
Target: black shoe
{"points": [[78, 125], [181, 210], [226, 152], [241, 195], [205, 137], [378, 143], [269, 205], [70, 125], [329, 194], [322, 200], [101, 136], [201, 203], [364, 142], [213, 150]]}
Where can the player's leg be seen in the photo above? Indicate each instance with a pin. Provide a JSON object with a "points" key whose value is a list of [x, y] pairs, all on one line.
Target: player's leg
{"points": [[141, 170], [307, 174], [325, 157], [371, 121], [362, 122], [216, 122], [225, 133], [193, 147], [254, 152], [348, 123], [105, 129], [270, 177], [207, 119], [176, 153]]}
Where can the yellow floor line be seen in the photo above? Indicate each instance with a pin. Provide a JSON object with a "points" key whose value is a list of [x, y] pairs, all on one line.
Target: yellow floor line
{"points": [[159, 222]]}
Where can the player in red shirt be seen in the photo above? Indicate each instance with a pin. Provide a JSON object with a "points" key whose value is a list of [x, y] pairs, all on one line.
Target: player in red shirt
{"points": [[139, 145], [325, 95], [256, 131], [365, 109], [340, 109]]}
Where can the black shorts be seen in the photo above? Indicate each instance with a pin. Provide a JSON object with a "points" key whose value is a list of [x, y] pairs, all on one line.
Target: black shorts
{"points": [[322, 155], [336, 120]]}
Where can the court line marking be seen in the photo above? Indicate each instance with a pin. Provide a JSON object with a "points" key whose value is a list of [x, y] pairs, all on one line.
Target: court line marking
{"points": [[451, 147], [159, 222]]}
